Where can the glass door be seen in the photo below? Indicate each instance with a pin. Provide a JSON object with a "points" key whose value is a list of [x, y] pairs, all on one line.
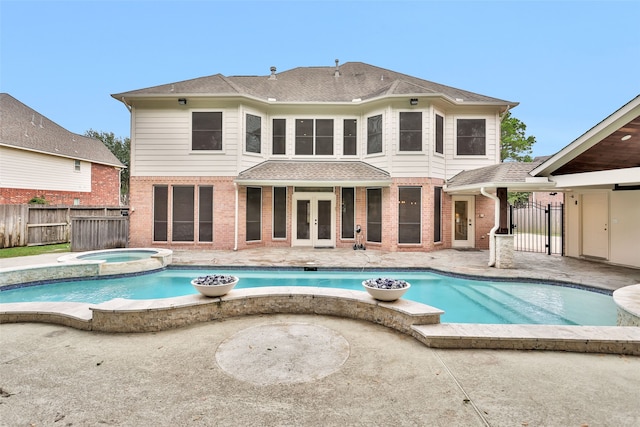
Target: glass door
{"points": [[463, 227], [314, 220]]}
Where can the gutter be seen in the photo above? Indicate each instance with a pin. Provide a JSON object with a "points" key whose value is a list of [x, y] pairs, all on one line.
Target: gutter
{"points": [[496, 222]]}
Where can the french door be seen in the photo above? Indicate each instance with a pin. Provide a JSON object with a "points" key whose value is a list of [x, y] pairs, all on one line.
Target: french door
{"points": [[314, 219]]}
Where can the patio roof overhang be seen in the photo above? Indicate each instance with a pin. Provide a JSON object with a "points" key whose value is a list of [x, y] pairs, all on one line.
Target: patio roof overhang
{"points": [[514, 176], [314, 174]]}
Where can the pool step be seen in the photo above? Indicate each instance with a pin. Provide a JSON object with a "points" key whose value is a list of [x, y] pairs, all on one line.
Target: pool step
{"points": [[502, 310], [582, 339]]}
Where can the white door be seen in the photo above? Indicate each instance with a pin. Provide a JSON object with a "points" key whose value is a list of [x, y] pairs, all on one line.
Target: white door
{"points": [[314, 220], [463, 224], [595, 225]]}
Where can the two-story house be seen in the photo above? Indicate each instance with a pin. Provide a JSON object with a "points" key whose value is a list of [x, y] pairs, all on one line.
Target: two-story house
{"points": [[312, 156], [41, 160]]}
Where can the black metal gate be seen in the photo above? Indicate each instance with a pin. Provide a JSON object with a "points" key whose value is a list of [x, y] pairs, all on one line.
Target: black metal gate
{"points": [[537, 227]]}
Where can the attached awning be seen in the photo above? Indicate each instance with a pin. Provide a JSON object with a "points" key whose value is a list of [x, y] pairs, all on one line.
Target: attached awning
{"points": [[513, 175], [314, 174]]}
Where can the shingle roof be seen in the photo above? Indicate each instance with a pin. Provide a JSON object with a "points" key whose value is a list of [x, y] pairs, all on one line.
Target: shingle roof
{"points": [[320, 172], [25, 128], [514, 175], [356, 80]]}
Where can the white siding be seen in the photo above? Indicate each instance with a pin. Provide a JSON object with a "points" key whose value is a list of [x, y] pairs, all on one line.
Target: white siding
{"points": [[456, 164], [25, 169], [161, 145], [161, 140]]}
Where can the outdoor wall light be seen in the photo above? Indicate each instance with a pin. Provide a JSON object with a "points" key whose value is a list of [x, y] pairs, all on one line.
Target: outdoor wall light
{"points": [[413, 101], [182, 101]]}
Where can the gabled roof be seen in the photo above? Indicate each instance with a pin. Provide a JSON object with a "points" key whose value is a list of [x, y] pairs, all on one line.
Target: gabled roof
{"points": [[612, 144], [24, 128], [310, 173], [512, 175], [347, 83]]}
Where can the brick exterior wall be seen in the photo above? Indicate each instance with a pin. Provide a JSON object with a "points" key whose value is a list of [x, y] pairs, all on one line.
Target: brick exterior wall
{"points": [[141, 215], [105, 191], [484, 219]]}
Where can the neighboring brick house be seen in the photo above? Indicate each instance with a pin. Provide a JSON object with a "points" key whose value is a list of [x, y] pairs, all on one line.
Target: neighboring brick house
{"points": [[305, 156], [40, 159]]}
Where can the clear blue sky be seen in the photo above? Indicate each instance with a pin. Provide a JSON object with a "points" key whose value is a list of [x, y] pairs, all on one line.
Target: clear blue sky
{"points": [[568, 63]]}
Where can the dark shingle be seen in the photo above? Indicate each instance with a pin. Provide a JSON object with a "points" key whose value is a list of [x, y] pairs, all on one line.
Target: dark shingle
{"points": [[25, 128], [314, 171], [511, 172], [357, 80]]}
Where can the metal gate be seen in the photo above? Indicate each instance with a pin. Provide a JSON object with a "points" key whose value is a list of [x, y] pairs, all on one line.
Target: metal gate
{"points": [[537, 227]]}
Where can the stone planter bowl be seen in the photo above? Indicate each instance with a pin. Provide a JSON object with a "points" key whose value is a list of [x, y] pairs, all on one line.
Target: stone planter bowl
{"points": [[214, 290], [385, 294]]}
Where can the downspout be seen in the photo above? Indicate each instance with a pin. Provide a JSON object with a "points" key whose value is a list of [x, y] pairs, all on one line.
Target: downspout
{"points": [[235, 231], [492, 233]]}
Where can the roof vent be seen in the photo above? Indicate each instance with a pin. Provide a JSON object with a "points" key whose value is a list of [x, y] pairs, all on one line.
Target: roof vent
{"points": [[337, 72], [273, 73]]}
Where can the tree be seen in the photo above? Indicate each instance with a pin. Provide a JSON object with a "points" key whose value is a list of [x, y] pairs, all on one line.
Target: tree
{"points": [[121, 148], [514, 145]]}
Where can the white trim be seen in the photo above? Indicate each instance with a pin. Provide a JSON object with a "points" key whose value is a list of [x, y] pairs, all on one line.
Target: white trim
{"points": [[455, 136], [611, 177], [222, 111]]}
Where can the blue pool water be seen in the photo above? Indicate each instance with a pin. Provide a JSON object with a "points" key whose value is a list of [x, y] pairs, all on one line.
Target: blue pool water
{"points": [[118, 256], [463, 300]]}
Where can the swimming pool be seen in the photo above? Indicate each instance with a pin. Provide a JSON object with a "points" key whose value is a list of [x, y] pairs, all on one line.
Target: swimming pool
{"points": [[463, 300]]}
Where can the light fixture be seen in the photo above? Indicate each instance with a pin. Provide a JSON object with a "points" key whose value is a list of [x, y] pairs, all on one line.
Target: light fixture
{"points": [[413, 101], [182, 101], [625, 138]]}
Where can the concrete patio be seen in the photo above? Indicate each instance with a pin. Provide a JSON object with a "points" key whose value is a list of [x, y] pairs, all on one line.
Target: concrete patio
{"points": [[314, 370]]}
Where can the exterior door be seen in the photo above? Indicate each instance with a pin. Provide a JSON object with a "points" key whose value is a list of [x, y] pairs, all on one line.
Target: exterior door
{"points": [[314, 220], [463, 224], [595, 225]]}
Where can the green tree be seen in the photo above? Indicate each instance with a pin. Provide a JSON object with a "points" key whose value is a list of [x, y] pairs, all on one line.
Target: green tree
{"points": [[515, 146], [121, 148]]}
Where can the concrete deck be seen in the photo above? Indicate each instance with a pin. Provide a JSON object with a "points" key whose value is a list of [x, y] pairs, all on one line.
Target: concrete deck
{"points": [[54, 374]]}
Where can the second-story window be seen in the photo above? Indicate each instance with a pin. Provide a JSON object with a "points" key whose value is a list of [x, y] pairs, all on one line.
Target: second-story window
{"points": [[410, 131], [314, 137], [471, 137], [206, 130], [254, 130], [349, 138], [279, 139], [374, 134], [439, 134]]}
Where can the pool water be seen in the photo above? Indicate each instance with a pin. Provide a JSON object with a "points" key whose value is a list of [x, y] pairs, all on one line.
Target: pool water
{"points": [[463, 300], [118, 256]]}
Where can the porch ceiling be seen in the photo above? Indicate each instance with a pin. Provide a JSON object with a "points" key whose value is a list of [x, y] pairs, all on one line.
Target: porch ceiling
{"points": [[314, 173], [613, 152]]}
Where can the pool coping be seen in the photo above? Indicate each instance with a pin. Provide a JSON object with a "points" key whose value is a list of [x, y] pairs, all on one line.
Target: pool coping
{"points": [[417, 320]]}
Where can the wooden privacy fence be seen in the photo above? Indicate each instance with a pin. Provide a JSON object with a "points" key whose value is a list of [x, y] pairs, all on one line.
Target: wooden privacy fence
{"points": [[32, 225], [105, 232]]}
